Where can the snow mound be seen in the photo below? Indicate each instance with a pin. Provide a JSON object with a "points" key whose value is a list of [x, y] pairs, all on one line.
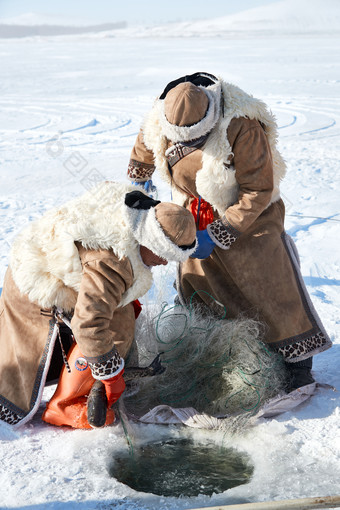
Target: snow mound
{"points": [[283, 17], [308, 17]]}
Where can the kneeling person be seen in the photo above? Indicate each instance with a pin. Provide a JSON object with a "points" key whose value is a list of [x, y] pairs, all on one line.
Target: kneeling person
{"points": [[84, 264]]}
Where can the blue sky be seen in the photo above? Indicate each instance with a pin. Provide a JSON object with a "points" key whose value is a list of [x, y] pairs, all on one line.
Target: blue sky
{"points": [[132, 11]]}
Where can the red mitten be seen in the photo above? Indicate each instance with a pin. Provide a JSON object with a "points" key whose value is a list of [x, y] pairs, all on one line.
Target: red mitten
{"points": [[114, 388]]}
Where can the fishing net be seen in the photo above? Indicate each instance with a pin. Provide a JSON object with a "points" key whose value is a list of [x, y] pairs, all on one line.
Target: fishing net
{"points": [[217, 366]]}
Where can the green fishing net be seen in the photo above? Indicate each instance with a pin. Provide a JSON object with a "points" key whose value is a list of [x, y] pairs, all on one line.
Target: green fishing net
{"points": [[217, 366]]}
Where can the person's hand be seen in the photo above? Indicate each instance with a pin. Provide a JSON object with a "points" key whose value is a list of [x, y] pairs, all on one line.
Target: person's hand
{"points": [[148, 186], [114, 387], [205, 245]]}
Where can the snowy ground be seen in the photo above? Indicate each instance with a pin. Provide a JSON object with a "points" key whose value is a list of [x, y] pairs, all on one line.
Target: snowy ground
{"points": [[71, 108]]}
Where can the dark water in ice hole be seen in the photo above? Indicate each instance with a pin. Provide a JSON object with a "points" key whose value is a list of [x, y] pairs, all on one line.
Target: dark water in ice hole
{"points": [[181, 467]]}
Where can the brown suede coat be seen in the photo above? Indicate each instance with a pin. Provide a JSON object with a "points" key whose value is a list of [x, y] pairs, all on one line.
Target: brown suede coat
{"points": [[28, 334], [259, 274]]}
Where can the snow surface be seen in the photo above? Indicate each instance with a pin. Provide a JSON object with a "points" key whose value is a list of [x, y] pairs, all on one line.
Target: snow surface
{"points": [[71, 109]]}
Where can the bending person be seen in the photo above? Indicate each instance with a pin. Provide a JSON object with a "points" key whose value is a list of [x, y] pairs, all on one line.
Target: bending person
{"points": [[216, 147], [84, 264]]}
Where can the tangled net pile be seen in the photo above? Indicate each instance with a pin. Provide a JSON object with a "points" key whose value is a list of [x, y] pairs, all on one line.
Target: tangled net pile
{"points": [[218, 366]]}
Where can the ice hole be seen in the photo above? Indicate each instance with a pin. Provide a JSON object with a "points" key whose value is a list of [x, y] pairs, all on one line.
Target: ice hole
{"points": [[181, 467]]}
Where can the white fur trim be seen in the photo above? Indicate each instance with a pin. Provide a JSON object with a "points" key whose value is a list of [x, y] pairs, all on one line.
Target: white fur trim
{"points": [[185, 133], [142, 279], [216, 181], [149, 233], [45, 261]]}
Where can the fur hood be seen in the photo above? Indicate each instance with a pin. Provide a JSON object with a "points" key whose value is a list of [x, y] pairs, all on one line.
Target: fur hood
{"points": [[216, 181], [44, 258]]}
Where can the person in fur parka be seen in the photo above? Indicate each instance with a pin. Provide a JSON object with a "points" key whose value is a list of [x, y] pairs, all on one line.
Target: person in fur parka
{"points": [[216, 147], [80, 269]]}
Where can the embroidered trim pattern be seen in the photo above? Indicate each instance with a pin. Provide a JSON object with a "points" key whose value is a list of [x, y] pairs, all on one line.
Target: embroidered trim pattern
{"points": [[300, 350], [40, 371], [181, 149], [9, 416], [7, 412], [105, 368], [138, 171], [178, 152], [224, 236]]}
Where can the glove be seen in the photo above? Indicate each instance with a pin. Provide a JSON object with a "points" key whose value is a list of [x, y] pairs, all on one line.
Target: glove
{"points": [[148, 186], [114, 387], [205, 245]]}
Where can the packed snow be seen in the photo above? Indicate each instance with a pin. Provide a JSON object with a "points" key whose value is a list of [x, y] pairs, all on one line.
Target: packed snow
{"points": [[71, 109]]}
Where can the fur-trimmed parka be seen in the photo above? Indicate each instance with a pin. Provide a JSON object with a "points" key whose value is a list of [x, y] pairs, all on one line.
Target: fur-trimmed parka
{"points": [[45, 261], [232, 162], [79, 263]]}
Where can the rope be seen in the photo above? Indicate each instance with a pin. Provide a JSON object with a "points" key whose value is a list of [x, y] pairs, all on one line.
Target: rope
{"points": [[127, 436]]}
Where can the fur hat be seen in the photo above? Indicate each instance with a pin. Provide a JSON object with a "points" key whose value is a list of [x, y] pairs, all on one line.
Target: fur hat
{"points": [[185, 104], [168, 230], [189, 111]]}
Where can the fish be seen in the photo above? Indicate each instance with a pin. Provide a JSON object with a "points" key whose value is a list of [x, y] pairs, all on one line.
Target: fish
{"points": [[97, 401], [155, 368]]}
